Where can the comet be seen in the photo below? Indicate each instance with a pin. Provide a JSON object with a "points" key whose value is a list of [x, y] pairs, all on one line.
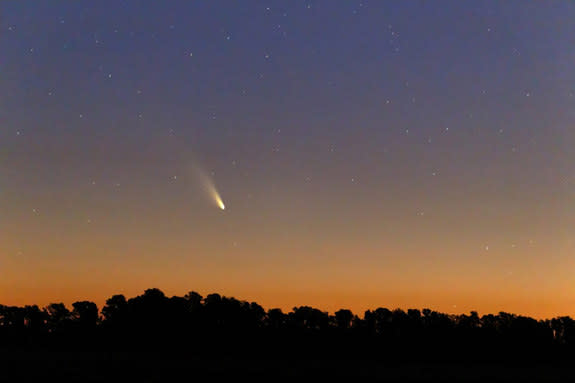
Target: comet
{"points": [[213, 192], [218, 199], [210, 189], [199, 176]]}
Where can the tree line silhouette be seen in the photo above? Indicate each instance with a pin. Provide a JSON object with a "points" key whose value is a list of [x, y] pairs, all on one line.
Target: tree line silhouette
{"points": [[219, 325]]}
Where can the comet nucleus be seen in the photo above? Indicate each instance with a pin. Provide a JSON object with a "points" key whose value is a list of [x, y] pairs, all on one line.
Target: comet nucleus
{"points": [[219, 201]]}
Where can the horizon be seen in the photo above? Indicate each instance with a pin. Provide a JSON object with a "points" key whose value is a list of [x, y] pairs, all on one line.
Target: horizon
{"points": [[357, 309]]}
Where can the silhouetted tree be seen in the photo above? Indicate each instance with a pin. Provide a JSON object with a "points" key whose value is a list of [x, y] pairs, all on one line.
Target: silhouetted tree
{"points": [[275, 319], [58, 316], [309, 318], [383, 319], [195, 301], [34, 318], [218, 324], [343, 318], [85, 313], [115, 310]]}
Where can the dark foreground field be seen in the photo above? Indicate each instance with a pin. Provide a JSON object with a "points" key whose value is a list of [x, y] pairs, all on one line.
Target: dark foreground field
{"points": [[139, 367]]}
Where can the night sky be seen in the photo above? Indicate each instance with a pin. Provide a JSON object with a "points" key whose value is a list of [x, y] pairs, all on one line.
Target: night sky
{"points": [[368, 153]]}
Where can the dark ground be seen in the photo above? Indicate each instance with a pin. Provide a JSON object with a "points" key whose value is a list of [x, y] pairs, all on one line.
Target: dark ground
{"points": [[145, 367]]}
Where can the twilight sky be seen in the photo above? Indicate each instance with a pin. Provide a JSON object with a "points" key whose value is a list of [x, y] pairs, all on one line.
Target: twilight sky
{"points": [[369, 153]]}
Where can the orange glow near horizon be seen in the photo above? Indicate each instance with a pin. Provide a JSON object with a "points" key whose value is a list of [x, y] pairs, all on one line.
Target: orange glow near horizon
{"points": [[327, 282]]}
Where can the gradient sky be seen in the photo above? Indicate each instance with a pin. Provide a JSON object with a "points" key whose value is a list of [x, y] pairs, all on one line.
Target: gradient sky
{"points": [[369, 153]]}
